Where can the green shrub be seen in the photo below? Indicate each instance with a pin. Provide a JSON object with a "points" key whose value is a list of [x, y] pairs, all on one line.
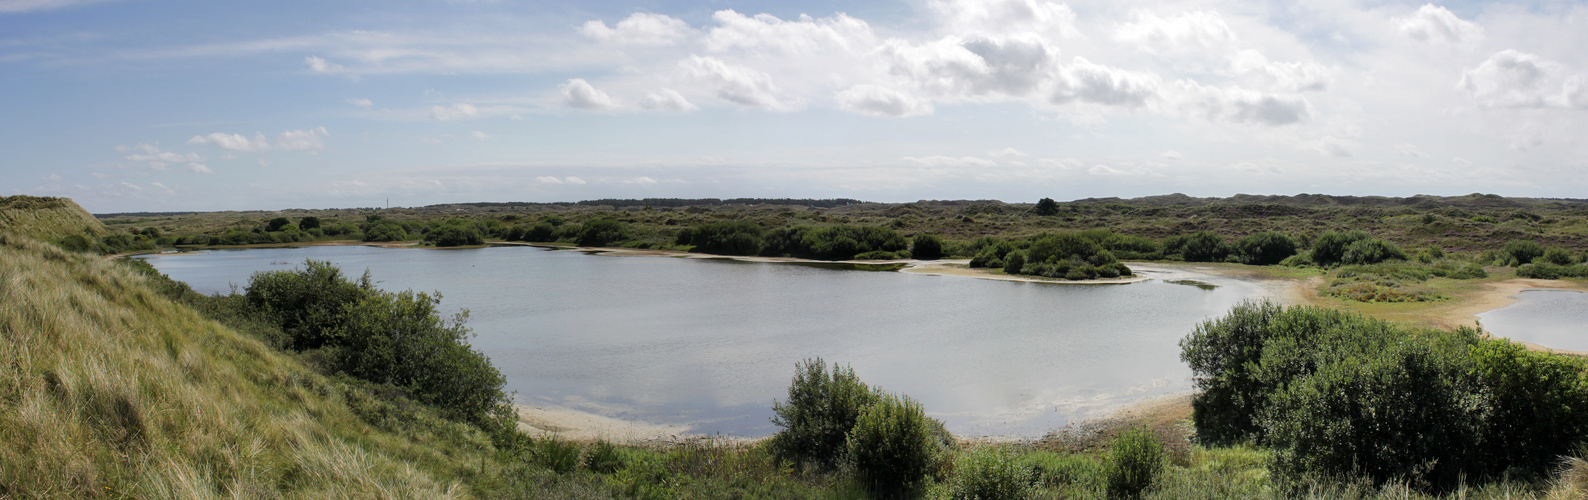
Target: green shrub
{"points": [[891, 446], [990, 473], [723, 238], [310, 222], [1046, 207], [990, 252], [605, 458], [1328, 249], [838, 242], [1371, 251], [1201, 246], [1135, 458], [1538, 404], [1549, 271], [1052, 469], [400, 339], [1265, 248], [926, 247], [559, 456], [1014, 262], [820, 410], [1555, 255], [308, 302], [385, 230], [882, 255], [454, 233], [601, 232], [540, 232], [1518, 252]]}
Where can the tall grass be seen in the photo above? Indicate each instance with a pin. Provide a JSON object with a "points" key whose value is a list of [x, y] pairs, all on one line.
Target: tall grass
{"points": [[109, 389]]}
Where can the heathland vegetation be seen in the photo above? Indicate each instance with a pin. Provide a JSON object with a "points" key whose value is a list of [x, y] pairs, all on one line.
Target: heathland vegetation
{"points": [[310, 383]]}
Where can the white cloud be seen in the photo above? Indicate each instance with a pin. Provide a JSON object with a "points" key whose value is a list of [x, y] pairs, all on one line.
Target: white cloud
{"points": [[1171, 155], [1512, 78], [302, 140], [765, 33], [480, 136], [199, 168], [131, 186], [1301, 76], [546, 179], [318, 65], [639, 28], [948, 161], [578, 93], [1189, 32], [965, 17], [1434, 23], [1085, 81], [736, 84], [667, 100], [232, 142], [875, 100], [1330, 146], [162, 188], [455, 112], [360, 102], [573, 180], [640, 180], [158, 159], [1238, 105], [1006, 153], [975, 67], [52, 178]]}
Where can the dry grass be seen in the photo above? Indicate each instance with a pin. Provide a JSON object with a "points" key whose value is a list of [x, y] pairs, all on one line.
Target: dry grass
{"points": [[108, 389], [45, 218]]}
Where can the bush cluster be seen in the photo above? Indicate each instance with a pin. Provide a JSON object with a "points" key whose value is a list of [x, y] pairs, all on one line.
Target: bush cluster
{"points": [[398, 339], [1338, 394], [1075, 256], [832, 419]]}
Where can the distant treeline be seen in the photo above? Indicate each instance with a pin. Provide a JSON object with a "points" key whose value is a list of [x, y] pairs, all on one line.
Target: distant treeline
{"points": [[686, 202]]}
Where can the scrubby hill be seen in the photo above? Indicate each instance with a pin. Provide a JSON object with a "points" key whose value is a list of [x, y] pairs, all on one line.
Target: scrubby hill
{"points": [[47, 219], [110, 389]]}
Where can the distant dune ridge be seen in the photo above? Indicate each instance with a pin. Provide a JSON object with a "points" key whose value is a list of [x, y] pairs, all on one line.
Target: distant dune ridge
{"points": [[46, 218]]}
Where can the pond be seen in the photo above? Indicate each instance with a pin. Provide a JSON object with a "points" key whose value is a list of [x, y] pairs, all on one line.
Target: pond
{"points": [[710, 343], [1550, 318]]}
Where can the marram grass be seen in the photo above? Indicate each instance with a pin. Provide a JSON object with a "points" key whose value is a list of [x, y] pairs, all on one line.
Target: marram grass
{"points": [[108, 389]]}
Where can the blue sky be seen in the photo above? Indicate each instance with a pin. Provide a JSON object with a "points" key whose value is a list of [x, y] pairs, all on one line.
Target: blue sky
{"points": [[135, 105]]}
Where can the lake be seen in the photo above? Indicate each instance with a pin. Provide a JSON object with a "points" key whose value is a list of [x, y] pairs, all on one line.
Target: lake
{"points": [[710, 343], [1550, 318]]}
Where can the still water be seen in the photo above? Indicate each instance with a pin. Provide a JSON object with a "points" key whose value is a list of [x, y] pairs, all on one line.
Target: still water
{"points": [[1551, 318], [710, 343]]}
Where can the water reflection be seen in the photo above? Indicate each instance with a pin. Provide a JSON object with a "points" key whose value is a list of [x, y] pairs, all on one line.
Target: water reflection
{"points": [[711, 343], [1551, 318]]}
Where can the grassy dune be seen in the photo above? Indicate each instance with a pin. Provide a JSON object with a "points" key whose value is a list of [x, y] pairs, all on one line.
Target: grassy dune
{"points": [[108, 389], [46, 218]]}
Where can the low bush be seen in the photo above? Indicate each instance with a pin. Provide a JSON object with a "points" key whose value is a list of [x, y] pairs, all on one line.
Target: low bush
{"points": [[1328, 249], [1135, 458], [1054, 470], [455, 233], [1518, 252], [1371, 251], [1550, 271], [820, 410], [723, 238], [308, 303], [1265, 248], [601, 232], [1201, 246], [990, 473], [926, 247], [891, 446]]}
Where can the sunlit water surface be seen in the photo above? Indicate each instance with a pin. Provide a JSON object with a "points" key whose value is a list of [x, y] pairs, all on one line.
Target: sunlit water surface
{"points": [[711, 343], [1551, 318]]}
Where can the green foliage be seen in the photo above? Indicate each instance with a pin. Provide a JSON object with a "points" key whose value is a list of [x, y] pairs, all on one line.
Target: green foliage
{"points": [[1046, 207], [1518, 252], [891, 446], [1555, 255], [1136, 457], [602, 232], [1014, 262], [1328, 249], [1340, 395], [820, 410], [385, 230], [307, 223], [307, 302], [723, 238], [399, 339], [455, 233], [839, 242], [1265, 248], [990, 252], [556, 454], [926, 247], [1201, 246], [1371, 251], [605, 458], [990, 473], [1055, 470], [1549, 271], [541, 232], [276, 224]]}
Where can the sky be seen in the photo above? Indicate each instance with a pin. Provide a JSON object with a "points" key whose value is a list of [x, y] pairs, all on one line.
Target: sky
{"points": [[149, 105]]}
